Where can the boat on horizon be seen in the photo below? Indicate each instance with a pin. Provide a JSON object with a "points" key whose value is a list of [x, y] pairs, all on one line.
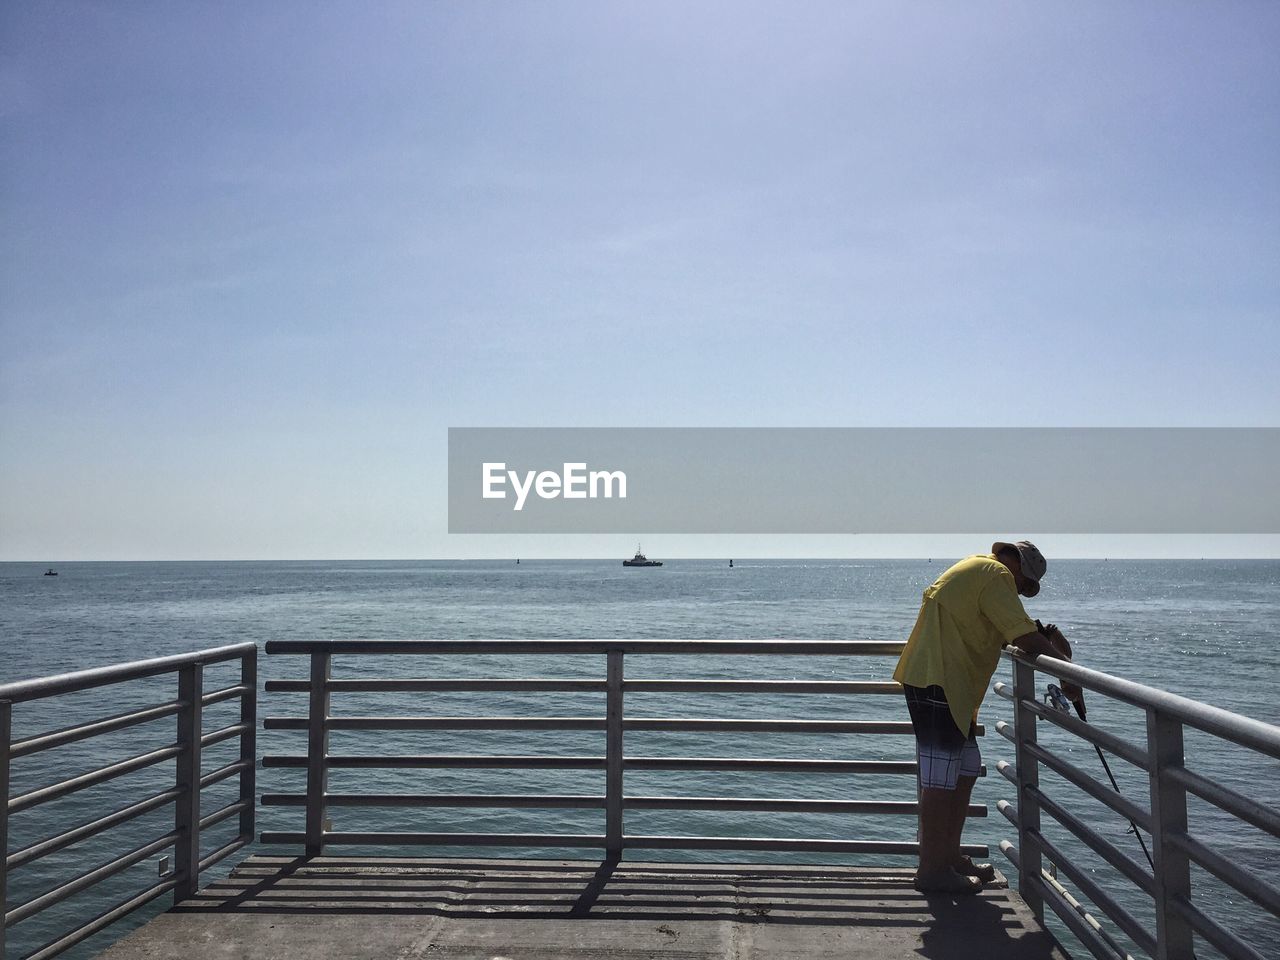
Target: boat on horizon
{"points": [[51, 572], [640, 560]]}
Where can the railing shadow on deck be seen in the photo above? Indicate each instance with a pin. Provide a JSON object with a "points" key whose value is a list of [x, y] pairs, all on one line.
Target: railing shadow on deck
{"points": [[613, 890]]}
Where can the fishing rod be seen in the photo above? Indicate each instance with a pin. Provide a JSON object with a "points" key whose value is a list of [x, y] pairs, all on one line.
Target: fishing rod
{"points": [[1058, 700]]}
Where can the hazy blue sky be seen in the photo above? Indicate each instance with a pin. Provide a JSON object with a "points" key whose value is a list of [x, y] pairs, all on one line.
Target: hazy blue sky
{"points": [[256, 258]]}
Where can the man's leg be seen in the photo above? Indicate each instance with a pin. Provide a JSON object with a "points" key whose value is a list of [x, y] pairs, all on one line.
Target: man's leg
{"points": [[970, 767], [935, 832], [957, 811], [939, 755]]}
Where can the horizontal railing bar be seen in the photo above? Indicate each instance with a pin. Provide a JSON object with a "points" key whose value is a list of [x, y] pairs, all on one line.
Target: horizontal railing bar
{"points": [[1214, 932], [1087, 731], [1226, 871], [226, 693], [1263, 737], [226, 850], [1058, 896], [1008, 811], [770, 726], [1104, 795], [440, 723], [593, 723], [444, 839], [412, 684], [124, 814], [584, 802], [82, 731], [910, 848], [225, 733], [1096, 842], [764, 764], [1001, 689], [1078, 920], [873, 648], [636, 842], [763, 686], [1008, 771], [1104, 901], [634, 686], [1011, 854], [116, 673], [1006, 730], [442, 761], [1236, 804], [224, 772], [92, 778], [230, 810], [103, 920], [98, 874], [865, 807]]}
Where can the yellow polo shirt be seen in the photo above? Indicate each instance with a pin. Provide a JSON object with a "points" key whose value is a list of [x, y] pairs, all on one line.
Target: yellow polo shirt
{"points": [[967, 615]]}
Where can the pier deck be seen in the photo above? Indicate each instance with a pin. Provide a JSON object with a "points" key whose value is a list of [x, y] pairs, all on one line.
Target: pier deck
{"points": [[490, 909]]}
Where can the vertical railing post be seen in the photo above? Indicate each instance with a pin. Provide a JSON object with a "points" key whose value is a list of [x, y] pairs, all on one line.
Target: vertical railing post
{"points": [[249, 742], [186, 814], [1028, 775], [6, 743], [317, 752], [1168, 818], [613, 757]]}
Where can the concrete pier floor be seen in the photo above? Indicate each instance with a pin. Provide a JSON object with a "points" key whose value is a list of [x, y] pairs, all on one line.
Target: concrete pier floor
{"points": [[450, 909]]}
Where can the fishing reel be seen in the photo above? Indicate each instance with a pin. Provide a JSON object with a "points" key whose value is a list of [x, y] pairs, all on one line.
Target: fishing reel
{"points": [[1054, 697]]}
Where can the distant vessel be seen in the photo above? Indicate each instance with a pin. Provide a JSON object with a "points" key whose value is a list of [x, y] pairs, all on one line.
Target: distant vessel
{"points": [[640, 560], [51, 572], [730, 564], [517, 561]]}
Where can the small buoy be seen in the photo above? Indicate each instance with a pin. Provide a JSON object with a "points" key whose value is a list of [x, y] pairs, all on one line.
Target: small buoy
{"points": [[730, 564]]}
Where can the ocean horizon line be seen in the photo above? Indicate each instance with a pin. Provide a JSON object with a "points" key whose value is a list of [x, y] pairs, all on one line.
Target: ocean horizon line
{"points": [[525, 558]]}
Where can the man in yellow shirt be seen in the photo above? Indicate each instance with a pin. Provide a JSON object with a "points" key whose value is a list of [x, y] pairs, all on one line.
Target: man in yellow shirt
{"points": [[966, 617]]}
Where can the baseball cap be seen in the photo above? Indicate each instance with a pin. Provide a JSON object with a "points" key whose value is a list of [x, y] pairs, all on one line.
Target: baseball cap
{"points": [[1033, 562]]}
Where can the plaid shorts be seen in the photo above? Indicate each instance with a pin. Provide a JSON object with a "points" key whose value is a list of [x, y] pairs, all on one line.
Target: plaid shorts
{"points": [[943, 753]]}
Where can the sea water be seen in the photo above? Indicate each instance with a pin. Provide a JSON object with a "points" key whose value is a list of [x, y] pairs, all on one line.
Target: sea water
{"points": [[1203, 629]]}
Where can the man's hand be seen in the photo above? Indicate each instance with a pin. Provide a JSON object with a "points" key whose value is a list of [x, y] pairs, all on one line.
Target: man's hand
{"points": [[1070, 690], [1057, 643], [1056, 638]]}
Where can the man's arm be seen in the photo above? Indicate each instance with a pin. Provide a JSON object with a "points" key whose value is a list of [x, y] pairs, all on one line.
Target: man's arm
{"points": [[1037, 644], [1050, 643], [1000, 604], [1056, 638]]}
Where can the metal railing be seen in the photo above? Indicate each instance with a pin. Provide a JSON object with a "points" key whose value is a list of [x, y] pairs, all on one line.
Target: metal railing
{"points": [[320, 721], [1174, 848], [188, 822]]}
